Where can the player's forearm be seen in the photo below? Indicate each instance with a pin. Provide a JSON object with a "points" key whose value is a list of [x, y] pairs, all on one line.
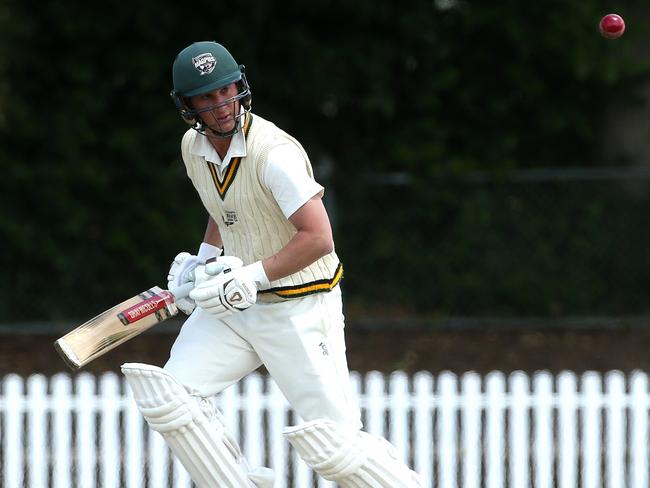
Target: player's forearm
{"points": [[301, 251], [212, 244], [212, 235]]}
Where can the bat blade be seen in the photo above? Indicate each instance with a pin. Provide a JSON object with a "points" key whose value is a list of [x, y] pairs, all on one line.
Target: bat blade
{"points": [[115, 326]]}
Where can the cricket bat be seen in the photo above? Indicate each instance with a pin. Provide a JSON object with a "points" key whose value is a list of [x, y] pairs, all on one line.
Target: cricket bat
{"points": [[118, 324]]}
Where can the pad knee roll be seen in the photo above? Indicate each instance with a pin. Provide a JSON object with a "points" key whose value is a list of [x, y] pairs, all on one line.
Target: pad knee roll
{"points": [[351, 458], [211, 457]]}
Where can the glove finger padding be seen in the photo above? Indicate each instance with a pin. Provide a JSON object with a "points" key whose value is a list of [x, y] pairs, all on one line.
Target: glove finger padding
{"points": [[225, 294], [185, 268], [179, 273], [222, 264]]}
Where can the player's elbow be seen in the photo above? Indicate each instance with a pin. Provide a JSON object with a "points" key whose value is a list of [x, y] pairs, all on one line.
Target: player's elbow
{"points": [[327, 246], [322, 244]]}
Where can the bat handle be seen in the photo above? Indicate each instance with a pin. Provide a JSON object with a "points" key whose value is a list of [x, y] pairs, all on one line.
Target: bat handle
{"points": [[182, 291]]}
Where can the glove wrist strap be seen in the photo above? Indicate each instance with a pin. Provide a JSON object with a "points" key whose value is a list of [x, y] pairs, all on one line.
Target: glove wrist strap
{"points": [[207, 251], [258, 275]]}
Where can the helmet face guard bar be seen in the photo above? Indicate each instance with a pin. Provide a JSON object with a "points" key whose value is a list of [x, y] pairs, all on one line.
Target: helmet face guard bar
{"points": [[212, 131], [193, 117]]}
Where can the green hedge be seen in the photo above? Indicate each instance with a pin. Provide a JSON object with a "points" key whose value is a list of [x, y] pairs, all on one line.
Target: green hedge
{"points": [[96, 203], [544, 249]]}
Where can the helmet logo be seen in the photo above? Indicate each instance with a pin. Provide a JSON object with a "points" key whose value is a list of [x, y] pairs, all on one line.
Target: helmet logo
{"points": [[204, 63]]}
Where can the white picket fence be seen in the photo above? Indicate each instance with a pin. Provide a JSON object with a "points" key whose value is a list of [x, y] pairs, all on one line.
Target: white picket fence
{"points": [[511, 431]]}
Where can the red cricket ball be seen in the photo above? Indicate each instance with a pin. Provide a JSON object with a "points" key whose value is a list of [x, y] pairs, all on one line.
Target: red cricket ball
{"points": [[612, 26]]}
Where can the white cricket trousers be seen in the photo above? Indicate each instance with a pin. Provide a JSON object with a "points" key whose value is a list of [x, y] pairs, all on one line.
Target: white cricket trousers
{"points": [[300, 342]]}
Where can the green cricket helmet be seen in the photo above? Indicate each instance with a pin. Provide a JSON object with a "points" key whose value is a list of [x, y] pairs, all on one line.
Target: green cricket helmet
{"points": [[201, 68]]}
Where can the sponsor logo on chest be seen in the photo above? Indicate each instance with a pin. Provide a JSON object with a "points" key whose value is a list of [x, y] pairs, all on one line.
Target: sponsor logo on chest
{"points": [[229, 217]]}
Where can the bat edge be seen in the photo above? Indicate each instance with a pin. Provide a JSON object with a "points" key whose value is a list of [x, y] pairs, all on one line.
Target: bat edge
{"points": [[67, 354]]}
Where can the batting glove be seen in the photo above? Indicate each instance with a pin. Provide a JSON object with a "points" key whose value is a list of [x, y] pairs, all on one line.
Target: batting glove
{"points": [[233, 290], [182, 270]]}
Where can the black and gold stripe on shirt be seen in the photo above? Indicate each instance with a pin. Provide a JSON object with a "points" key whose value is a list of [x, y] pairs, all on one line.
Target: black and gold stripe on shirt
{"points": [[223, 185], [310, 288]]}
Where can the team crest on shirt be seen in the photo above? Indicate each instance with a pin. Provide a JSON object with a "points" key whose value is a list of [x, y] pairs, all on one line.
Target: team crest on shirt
{"points": [[204, 63], [229, 217]]}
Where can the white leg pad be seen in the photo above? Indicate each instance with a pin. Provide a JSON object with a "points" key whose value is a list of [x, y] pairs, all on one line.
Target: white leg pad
{"points": [[211, 457], [351, 458]]}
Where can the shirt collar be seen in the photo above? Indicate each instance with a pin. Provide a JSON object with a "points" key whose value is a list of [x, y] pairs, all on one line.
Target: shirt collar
{"points": [[202, 146]]}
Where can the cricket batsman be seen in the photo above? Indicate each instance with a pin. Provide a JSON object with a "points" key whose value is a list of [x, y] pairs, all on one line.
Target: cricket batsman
{"points": [[272, 297]]}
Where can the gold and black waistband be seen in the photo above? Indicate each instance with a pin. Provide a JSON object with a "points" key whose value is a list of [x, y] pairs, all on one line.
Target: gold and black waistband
{"points": [[284, 293]]}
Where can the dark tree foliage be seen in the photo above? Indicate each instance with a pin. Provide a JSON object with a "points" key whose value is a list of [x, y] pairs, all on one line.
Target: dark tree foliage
{"points": [[96, 202]]}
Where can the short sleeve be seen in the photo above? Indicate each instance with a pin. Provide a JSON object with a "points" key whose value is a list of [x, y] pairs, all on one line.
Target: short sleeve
{"points": [[287, 178]]}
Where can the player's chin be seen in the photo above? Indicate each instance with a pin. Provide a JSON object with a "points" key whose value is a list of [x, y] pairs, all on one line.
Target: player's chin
{"points": [[223, 126]]}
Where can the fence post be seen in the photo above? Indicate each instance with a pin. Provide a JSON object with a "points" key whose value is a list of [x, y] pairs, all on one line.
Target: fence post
{"points": [[447, 457], [519, 429], [567, 431], [398, 413], [134, 442], [423, 425], [543, 430], [13, 438], [471, 434], [158, 460], [36, 421], [85, 412], [375, 407], [495, 386], [639, 430], [62, 430], [615, 390], [109, 445], [591, 443]]}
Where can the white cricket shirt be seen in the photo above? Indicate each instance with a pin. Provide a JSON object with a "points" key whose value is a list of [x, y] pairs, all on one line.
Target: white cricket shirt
{"points": [[285, 174]]}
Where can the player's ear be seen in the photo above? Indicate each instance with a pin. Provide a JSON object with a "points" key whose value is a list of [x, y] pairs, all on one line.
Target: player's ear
{"points": [[184, 108]]}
